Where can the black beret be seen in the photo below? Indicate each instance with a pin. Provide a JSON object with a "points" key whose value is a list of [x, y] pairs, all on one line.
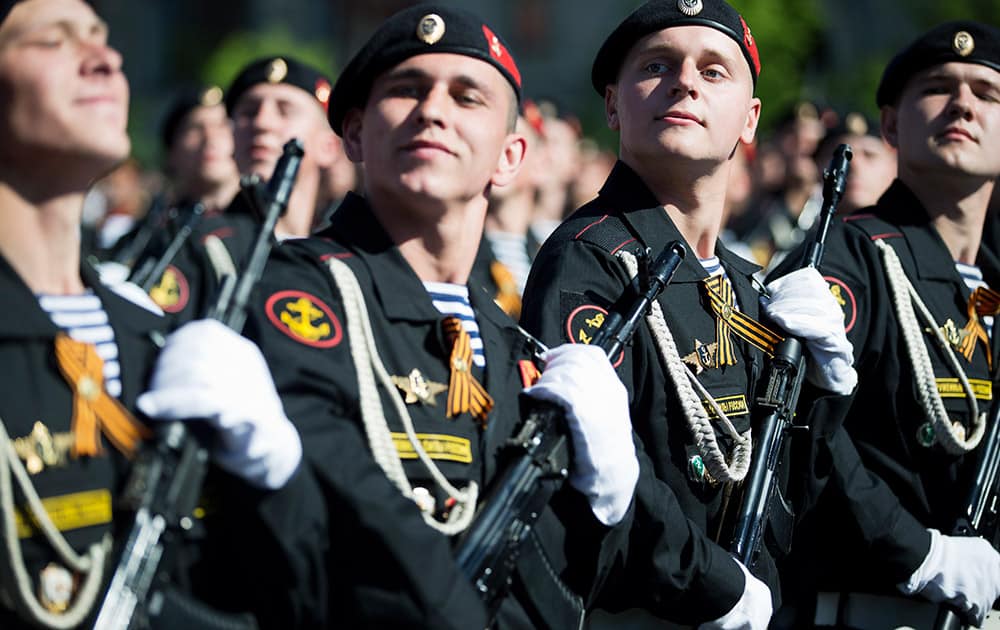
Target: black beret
{"points": [[852, 124], [416, 31], [185, 100], [5, 8], [279, 70], [964, 42], [657, 15]]}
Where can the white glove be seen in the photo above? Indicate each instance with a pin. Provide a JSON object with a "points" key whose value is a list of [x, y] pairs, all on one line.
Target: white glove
{"points": [[962, 571], [801, 303], [751, 612], [605, 469], [112, 273], [208, 372]]}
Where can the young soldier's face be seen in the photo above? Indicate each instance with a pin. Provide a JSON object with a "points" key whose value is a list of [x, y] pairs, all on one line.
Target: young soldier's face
{"points": [[270, 114], [683, 92], [948, 117], [62, 93], [436, 128], [873, 168], [202, 151]]}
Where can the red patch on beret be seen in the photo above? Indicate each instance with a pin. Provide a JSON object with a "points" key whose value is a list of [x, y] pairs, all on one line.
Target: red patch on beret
{"points": [[751, 45], [499, 52]]}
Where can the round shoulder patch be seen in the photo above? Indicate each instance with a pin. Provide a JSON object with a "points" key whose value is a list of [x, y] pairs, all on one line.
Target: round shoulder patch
{"points": [[583, 323], [304, 318], [845, 298], [172, 291]]}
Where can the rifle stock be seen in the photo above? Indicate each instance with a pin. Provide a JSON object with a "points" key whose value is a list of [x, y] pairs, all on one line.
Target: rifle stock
{"points": [[488, 551], [774, 411], [166, 479]]}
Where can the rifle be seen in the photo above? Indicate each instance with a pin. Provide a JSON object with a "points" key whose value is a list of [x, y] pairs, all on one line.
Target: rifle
{"points": [[149, 272], [979, 516], [488, 551], [156, 219], [762, 503], [166, 479]]}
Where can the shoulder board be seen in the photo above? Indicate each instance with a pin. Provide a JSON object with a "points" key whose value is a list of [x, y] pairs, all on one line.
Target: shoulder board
{"points": [[875, 227], [878, 229], [316, 248], [610, 234]]}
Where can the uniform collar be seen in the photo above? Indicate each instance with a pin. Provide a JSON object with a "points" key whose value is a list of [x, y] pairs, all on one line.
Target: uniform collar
{"points": [[652, 227], [397, 287], [23, 317], [900, 207]]}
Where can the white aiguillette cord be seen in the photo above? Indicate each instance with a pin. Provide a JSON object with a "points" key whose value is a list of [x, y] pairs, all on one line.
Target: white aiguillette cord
{"points": [[90, 565], [367, 365]]}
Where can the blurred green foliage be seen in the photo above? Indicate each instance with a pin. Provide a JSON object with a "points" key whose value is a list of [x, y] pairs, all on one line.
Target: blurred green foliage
{"points": [[788, 33], [237, 50]]}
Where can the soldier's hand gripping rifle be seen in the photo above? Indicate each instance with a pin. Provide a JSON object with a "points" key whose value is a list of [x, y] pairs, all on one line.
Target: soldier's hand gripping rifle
{"points": [[166, 479], [762, 504], [980, 510], [488, 551]]}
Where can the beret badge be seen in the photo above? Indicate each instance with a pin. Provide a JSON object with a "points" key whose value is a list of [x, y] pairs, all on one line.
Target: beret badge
{"points": [[963, 44], [210, 96], [690, 7], [430, 29], [277, 71]]}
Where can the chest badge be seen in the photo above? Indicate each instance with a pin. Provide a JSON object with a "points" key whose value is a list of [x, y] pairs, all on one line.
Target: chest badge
{"points": [[703, 357], [41, 449], [953, 334], [418, 389]]}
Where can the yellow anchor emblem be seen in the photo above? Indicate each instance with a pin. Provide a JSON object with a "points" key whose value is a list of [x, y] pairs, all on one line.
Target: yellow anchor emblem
{"points": [[167, 290], [299, 317], [304, 318], [838, 294]]}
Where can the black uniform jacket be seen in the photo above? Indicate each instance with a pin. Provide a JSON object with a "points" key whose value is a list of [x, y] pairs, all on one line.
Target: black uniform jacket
{"points": [[876, 483], [387, 567], [253, 550], [575, 280], [34, 391]]}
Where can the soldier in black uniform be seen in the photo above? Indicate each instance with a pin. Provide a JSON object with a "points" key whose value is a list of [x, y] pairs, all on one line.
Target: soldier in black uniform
{"points": [[893, 463], [678, 81], [197, 138], [271, 101], [77, 354], [402, 378]]}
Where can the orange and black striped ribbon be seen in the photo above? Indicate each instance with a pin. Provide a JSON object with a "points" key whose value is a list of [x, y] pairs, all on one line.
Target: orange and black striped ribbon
{"points": [[94, 409], [465, 393], [983, 301], [729, 320], [507, 297]]}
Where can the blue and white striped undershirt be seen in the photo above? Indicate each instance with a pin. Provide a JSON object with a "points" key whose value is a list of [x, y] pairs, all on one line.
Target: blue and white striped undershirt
{"points": [[453, 299], [973, 277], [83, 318], [713, 266]]}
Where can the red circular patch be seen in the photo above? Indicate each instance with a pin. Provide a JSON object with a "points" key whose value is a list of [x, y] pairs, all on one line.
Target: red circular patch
{"points": [[584, 322], [845, 298], [172, 291], [304, 318]]}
